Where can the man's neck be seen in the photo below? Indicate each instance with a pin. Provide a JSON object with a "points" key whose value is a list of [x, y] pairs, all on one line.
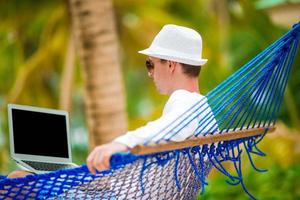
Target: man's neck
{"points": [[190, 85]]}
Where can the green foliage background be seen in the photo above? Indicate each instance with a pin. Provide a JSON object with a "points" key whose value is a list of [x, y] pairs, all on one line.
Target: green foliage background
{"points": [[33, 44]]}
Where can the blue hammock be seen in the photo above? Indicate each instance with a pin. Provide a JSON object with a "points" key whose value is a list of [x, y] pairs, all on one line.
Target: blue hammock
{"points": [[249, 99]]}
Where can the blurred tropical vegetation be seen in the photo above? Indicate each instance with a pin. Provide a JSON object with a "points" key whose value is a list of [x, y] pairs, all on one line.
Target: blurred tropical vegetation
{"points": [[34, 50]]}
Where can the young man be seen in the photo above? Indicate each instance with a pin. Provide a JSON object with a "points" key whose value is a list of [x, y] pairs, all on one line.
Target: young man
{"points": [[174, 63]]}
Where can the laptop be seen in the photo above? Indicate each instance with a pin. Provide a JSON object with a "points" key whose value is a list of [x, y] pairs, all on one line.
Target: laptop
{"points": [[39, 138]]}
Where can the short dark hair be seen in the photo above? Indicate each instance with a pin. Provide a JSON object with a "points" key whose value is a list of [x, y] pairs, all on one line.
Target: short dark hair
{"points": [[189, 70]]}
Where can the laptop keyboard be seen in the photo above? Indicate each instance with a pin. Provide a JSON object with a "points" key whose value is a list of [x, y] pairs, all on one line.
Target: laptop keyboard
{"points": [[47, 166]]}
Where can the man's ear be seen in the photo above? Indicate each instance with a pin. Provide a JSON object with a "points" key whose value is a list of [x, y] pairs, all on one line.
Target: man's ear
{"points": [[172, 66]]}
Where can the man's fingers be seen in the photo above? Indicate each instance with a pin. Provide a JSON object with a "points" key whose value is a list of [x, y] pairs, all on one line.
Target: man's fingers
{"points": [[106, 159], [90, 161], [91, 168], [101, 161], [99, 158], [98, 161]]}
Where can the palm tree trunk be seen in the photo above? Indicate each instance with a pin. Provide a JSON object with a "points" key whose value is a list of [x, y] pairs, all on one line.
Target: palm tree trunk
{"points": [[96, 39], [65, 94]]}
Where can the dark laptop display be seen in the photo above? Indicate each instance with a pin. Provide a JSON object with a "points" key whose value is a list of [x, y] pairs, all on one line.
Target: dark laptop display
{"points": [[38, 133], [39, 138]]}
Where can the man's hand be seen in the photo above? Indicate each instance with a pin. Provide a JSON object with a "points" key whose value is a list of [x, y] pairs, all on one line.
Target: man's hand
{"points": [[18, 174], [100, 156]]}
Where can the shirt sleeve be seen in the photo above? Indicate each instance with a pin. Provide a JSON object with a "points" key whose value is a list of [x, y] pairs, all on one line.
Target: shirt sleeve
{"points": [[173, 125]]}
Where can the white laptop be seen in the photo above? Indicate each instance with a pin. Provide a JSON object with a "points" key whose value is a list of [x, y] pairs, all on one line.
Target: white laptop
{"points": [[39, 138]]}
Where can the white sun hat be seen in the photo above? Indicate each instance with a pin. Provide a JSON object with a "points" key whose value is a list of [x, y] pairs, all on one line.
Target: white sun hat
{"points": [[177, 43]]}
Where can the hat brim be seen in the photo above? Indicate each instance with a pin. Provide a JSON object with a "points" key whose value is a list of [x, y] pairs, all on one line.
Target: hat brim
{"points": [[176, 58]]}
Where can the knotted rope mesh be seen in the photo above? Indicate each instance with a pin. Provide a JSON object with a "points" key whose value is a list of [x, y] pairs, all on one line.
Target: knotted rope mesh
{"points": [[134, 180], [249, 98]]}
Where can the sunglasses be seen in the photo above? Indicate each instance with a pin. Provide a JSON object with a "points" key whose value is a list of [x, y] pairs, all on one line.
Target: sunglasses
{"points": [[149, 65]]}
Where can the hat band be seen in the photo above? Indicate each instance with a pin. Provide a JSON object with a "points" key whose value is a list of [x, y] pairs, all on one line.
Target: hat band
{"points": [[172, 55]]}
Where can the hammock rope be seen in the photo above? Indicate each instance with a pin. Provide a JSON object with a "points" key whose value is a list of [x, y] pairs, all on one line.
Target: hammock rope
{"points": [[197, 141], [246, 102]]}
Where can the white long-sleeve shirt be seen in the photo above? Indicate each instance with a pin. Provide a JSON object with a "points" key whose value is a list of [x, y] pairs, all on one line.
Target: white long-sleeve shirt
{"points": [[173, 124]]}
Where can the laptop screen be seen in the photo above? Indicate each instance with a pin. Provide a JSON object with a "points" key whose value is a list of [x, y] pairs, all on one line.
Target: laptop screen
{"points": [[38, 133]]}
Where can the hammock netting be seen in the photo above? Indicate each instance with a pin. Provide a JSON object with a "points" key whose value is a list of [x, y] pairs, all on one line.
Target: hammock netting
{"points": [[248, 99]]}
